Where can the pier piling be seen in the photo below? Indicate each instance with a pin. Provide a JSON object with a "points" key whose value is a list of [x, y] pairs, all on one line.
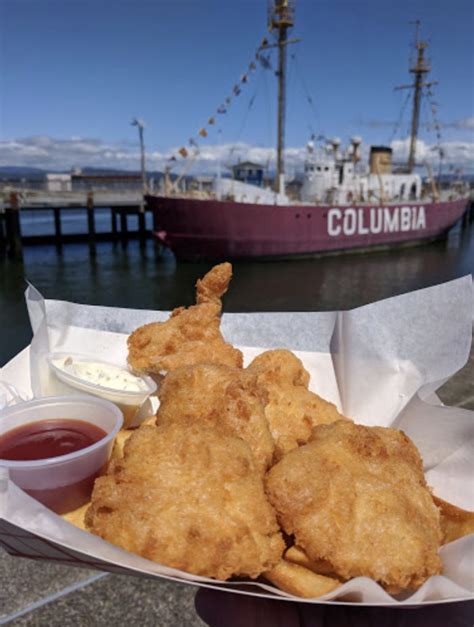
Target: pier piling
{"points": [[91, 223], [57, 229], [123, 226], [3, 244], [13, 229], [141, 226], [113, 223]]}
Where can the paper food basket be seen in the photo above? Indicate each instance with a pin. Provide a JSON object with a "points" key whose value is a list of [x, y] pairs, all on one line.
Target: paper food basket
{"points": [[381, 364]]}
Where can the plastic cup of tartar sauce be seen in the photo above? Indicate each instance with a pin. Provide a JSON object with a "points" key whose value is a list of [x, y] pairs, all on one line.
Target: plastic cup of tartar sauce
{"points": [[73, 372]]}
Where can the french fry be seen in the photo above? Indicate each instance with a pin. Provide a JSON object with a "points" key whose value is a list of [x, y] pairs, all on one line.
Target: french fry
{"points": [[119, 442], [76, 517], [296, 555], [300, 581], [455, 522]]}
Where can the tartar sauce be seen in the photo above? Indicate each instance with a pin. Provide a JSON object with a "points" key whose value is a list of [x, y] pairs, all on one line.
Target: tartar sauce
{"points": [[105, 375]]}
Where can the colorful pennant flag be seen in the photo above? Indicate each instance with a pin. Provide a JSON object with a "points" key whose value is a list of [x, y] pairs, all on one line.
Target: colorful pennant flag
{"points": [[183, 152], [203, 132], [265, 61], [211, 121]]}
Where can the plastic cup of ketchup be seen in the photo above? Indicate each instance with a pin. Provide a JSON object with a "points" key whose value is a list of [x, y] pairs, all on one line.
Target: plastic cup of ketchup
{"points": [[55, 447]]}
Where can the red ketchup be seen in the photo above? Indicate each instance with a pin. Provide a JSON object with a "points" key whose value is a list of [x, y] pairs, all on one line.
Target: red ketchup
{"points": [[53, 438]]}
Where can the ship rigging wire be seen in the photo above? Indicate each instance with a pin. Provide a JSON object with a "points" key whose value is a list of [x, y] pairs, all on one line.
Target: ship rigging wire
{"points": [[433, 108], [260, 80], [308, 96], [398, 124], [250, 105]]}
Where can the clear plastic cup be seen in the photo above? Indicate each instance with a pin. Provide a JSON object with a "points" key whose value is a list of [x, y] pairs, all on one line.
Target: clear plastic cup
{"points": [[129, 402], [63, 483]]}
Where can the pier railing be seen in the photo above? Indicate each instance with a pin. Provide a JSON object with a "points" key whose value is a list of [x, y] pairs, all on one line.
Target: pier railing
{"points": [[44, 199]]}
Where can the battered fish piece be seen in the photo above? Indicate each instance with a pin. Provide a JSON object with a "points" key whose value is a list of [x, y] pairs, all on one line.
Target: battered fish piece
{"points": [[189, 336], [356, 498], [221, 397], [190, 498], [291, 409]]}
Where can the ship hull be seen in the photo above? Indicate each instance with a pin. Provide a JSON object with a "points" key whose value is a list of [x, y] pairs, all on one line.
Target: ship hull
{"points": [[214, 229]]}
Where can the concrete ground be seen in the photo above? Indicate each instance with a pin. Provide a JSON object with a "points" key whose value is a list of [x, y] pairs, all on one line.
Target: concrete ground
{"points": [[37, 593]]}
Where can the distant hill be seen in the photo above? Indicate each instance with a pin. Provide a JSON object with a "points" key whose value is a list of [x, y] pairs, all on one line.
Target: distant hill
{"points": [[20, 170]]}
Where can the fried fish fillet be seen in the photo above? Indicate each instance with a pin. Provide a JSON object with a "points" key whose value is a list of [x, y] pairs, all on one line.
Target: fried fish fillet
{"points": [[291, 409], [356, 498], [219, 396], [190, 498], [189, 336]]}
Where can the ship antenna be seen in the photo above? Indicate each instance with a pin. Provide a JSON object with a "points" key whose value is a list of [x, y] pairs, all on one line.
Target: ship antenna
{"points": [[419, 68], [281, 18]]}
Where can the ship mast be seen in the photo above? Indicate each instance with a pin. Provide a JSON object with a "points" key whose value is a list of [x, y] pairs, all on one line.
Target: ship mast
{"points": [[281, 18], [419, 69]]}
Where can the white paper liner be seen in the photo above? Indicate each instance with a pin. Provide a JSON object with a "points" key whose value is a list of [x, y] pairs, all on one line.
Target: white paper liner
{"points": [[376, 362]]}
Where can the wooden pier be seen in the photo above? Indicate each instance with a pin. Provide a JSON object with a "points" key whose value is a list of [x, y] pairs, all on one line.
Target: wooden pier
{"points": [[120, 203]]}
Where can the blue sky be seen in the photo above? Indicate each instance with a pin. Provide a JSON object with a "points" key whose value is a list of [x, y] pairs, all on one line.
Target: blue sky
{"points": [[74, 72]]}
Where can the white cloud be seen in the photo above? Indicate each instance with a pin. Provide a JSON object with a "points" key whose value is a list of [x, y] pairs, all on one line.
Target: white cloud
{"points": [[62, 154], [457, 153]]}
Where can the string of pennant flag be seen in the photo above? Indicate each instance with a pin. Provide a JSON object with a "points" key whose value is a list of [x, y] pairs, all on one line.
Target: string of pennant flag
{"points": [[222, 109], [436, 124]]}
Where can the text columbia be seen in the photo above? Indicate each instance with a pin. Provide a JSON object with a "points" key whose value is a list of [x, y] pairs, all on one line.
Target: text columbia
{"points": [[375, 220]]}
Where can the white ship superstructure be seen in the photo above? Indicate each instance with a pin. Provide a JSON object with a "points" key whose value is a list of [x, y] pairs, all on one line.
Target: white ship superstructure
{"points": [[336, 177]]}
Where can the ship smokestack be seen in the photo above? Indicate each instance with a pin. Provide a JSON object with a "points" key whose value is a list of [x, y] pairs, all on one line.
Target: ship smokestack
{"points": [[380, 160]]}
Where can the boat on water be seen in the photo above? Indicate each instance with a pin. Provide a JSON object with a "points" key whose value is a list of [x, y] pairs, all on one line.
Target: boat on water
{"points": [[342, 206]]}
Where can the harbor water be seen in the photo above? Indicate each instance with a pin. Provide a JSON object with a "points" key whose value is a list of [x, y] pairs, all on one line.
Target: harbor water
{"points": [[151, 279]]}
